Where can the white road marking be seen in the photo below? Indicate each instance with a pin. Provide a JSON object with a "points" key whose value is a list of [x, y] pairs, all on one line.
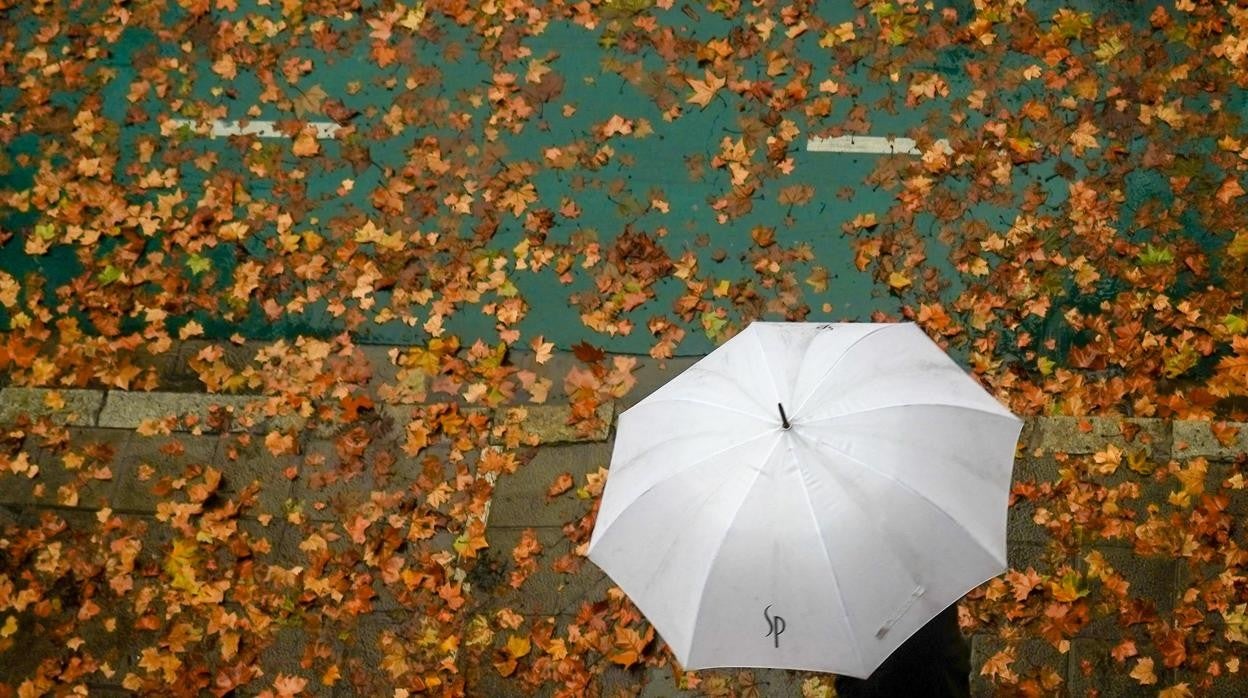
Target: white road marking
{"points": [[257, 127], [878, 145]]}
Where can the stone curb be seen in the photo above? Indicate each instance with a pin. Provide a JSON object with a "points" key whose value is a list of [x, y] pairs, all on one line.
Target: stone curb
{"points": [[125, 409], [1193, 438], [1086, 435], [81, 407]]}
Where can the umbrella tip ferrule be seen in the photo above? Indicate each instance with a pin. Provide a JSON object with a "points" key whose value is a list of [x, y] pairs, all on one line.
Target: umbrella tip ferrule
{"points": [[784, 420]]}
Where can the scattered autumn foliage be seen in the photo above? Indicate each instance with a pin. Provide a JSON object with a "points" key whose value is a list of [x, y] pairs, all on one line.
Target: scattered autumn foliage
{"points": [[1073, 227]]}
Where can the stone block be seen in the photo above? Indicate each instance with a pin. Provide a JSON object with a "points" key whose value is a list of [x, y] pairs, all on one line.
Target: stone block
{"points": [[1038, 556], [555, 370], [331, 482], [236, 356], [80, 406], [43, 641], [660, 682], [364, 640], [520, 498], [244, 464], [1094, 673], [142, 462], [1154, 580], [1021, 526], [303, 652], [390, 382], [549, 424], [653, 374], [125, 409], [172, 372], [1030, 468], [1085, 435], [327, 491], [1030, 655], [80, 473], [399, 416], [1194, 438], [545, 592], [1227, 685]]}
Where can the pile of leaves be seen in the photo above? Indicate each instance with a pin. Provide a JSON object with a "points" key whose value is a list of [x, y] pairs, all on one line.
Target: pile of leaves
{"points": [[1071, 227]]}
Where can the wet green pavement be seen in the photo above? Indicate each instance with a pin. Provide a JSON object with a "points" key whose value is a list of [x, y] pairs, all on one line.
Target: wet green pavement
{"points": [[662, 184]]}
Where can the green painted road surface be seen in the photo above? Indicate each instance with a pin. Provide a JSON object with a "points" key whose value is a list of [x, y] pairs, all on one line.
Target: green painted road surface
{"points": [[658, 178]]}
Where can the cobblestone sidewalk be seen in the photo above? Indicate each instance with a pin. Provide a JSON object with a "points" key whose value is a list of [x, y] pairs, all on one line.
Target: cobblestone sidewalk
{"points": [[210, 428]]}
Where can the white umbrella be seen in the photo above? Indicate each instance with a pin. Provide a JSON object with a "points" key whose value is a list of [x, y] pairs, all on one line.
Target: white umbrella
{"points": [[807, 496]]}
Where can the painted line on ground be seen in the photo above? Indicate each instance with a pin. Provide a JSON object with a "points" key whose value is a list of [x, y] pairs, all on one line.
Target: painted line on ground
{"points": [[878, 145], [256, 127]]}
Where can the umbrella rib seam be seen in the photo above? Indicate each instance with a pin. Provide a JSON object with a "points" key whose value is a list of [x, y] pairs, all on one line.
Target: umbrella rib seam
{"points": [[703, 402], [845, 352], [762, 355], [693, 635], [699, 462], [836, 579], [906, 486], [731, 381]]}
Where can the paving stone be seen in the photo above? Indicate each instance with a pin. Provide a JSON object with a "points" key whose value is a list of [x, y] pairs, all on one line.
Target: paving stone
{"points": [[390, 382], [545, 591], [172, 372], [80, 409], [652, 374], [1153, 580], [42, 641], [68, 474], [1030, 655], [1227, 685], [243, 464], [125, 409], [520, 498], [1021, 526], [548, 424], [555, 370], [364, 642], [108, 690], [303, 652], [328, 486], [1194, 438], [1094, 673], [1031, 468], [400, 416], [1040, 557], [660, 682], [142, 462], [1065, 434], [236, 356]]}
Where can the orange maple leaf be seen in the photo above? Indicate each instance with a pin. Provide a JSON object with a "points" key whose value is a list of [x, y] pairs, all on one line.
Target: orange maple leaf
{"points": [[704, 90]]}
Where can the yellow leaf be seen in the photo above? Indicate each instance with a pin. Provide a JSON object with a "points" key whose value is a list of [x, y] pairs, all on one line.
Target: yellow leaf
{"points": [[190, 329], [54, 400], [898, 280], [306, 144], [1238, 248], [518, 646], [1143, 671], [331, 675], [10, 627]]}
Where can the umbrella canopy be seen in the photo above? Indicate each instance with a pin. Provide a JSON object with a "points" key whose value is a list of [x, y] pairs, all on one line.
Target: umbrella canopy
{"points": [[807, 496]]}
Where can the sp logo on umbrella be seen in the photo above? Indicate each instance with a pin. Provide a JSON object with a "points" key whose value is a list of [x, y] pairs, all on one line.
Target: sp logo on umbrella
{"points": [[775, 625]]}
